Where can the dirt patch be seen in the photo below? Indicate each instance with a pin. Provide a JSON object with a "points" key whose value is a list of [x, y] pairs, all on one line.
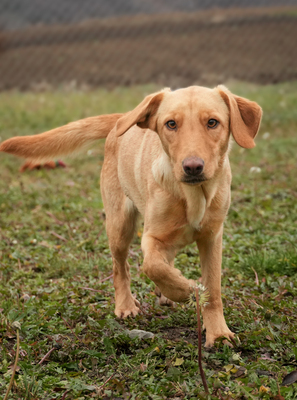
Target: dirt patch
{"points": [[181, 333], [175, 50]]}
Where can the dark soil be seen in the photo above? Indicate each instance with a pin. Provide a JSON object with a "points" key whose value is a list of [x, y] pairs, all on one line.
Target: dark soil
{"points": [[176, 333], [174, 50]]}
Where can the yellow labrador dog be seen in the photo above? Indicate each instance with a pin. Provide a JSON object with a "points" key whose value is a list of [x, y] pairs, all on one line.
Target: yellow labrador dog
{"points": [[168, 160]]}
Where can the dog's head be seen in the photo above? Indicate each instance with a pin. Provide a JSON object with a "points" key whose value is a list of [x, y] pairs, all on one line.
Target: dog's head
{"points": [[194, 126]]}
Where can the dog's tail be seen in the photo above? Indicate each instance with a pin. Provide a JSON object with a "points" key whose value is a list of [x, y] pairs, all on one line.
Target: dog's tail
{"points": [[67, 139]]}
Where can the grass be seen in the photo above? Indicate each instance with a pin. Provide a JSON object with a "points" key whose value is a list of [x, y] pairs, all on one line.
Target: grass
{"points": [[56, 287]]}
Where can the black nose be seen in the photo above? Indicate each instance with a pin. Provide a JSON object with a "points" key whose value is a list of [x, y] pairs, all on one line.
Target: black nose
{"points": [[193, 166]]}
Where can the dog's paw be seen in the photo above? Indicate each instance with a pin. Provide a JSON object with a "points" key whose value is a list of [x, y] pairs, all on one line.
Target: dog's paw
{"points": [[163, 301], [129, 310], [230, 338]]}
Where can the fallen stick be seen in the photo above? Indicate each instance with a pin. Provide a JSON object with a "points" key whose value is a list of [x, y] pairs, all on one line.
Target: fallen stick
{"points": [[200, 344], [17, 325]]}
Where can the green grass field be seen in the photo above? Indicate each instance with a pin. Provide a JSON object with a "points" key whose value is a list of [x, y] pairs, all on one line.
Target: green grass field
{"points": [[54, 259]]}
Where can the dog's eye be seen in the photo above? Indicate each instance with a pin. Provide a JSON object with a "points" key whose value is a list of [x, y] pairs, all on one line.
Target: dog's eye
{"points": [[212, 123], [171, 125]]}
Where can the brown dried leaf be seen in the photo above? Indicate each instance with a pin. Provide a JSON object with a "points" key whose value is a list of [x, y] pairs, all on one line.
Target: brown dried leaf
{"points": [[241, 371]]}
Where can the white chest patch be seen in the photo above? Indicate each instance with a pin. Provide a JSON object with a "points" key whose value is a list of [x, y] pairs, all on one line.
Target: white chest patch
{"points": [[163, 174], [196, 205]]}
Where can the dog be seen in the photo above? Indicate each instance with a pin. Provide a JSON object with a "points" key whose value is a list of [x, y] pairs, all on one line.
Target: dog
{"points": [[168, 160]]}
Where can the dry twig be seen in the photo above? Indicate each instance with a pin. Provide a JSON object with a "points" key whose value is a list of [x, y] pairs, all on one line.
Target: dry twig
{"points": [[102, 386], [200, 343], [47, 355], [90, 289], [64, 395], [16, 325], [54, 218], [59, 314], [106, 279], [256, 277], [58, 236]]}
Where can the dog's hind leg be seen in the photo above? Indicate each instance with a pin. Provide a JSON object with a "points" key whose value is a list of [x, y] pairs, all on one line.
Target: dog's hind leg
{"points": [[121, 216]]}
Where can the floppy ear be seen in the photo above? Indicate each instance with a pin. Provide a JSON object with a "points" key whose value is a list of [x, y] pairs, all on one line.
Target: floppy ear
{"points": [[141, 115], [245, 117]]}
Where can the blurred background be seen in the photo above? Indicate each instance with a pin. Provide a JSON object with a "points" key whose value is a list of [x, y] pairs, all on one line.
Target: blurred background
{"points": [[91, 43]]}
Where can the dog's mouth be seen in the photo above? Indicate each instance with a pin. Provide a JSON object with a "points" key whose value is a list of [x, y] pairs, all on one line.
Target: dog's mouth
{"points": [[193, 180]]}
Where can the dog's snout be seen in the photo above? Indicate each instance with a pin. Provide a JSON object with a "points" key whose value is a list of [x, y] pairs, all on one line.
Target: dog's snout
{"points": [[193, 166]]}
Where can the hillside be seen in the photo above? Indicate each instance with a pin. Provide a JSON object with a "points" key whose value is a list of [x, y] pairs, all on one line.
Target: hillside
{"points": [[177, 49], [19, 14]]}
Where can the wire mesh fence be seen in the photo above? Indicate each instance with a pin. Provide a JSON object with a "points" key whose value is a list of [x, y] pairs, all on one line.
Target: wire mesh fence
{"points": [[171, 42]]}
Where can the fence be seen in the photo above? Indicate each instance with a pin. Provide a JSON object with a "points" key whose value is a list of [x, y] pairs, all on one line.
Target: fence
{"points": [[172, 42]]}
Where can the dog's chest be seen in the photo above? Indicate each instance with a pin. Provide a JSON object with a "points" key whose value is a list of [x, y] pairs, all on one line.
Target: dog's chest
{"points": [[195, 206], [195, 210], [187, 236]]}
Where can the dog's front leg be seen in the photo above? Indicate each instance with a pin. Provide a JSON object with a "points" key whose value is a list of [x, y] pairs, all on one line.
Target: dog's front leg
{"points": [[158, 266], [210, 249]]}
